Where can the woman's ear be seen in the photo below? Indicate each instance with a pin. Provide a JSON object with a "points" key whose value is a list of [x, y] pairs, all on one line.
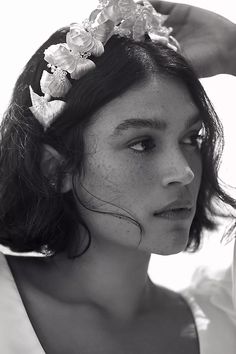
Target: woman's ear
{"points": [[50, 162]]}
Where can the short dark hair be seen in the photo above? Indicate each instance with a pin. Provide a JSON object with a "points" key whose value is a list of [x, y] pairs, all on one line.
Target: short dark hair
{"points": [[36, 217]]}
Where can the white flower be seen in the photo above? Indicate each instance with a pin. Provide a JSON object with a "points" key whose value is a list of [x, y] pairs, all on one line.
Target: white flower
{"points": [[56, 84], [45, 112], [62, 57], [80, 40]]}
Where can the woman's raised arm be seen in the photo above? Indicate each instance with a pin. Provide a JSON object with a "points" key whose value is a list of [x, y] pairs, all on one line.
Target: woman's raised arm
{"points": [[207, 39]]}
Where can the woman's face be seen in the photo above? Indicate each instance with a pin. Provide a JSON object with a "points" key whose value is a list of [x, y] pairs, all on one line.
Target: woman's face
{"points": [[142, 160]]}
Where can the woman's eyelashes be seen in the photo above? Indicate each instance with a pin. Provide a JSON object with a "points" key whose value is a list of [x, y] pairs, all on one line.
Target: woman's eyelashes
{"points": [[147, 145], [194, 139], [143, 145]]}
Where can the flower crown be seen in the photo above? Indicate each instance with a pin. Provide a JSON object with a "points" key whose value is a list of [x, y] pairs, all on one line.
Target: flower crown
{"points": [[124, 18]]}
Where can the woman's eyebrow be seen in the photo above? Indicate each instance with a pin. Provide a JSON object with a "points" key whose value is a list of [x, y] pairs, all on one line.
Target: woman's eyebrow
{"points": [[137, 123], [157, 124]]}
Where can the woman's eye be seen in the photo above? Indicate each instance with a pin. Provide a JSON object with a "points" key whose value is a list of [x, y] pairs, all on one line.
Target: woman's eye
{"points": [[145, 145], [194, 140]]}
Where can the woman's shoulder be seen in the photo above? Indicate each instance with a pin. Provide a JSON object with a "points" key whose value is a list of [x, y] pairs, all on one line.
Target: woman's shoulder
{"points": [[16, 332], [210, 298]]}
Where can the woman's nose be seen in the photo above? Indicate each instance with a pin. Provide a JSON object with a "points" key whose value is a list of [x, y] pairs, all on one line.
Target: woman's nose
{"points": [[178, 172]]}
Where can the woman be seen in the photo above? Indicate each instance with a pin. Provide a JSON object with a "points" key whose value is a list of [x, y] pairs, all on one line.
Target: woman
{"points": [[122, 166]]}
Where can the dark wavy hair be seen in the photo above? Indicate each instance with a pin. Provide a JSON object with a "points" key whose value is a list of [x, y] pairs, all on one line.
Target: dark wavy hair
{"points": [[36, 217]]}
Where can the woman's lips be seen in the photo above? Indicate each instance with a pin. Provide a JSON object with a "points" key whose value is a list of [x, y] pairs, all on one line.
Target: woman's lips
{"points": [[175, 214], [178, 209]]}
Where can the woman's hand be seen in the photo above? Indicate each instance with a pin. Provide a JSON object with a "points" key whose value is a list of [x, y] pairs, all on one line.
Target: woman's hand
{"points": [[207, 40]]}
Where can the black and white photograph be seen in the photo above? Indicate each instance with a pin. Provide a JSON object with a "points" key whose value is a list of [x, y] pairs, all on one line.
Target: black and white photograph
{"points": [[118, 177]]}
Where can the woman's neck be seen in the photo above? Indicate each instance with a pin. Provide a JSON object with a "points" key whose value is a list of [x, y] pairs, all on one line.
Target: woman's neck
{"points": [[112, 277]]}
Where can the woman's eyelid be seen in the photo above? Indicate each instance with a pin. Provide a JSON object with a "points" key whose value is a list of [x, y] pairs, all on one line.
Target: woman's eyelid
{"points": [[140, 139], [197, 130], [149, 141], [154, 140], [193, 139]]}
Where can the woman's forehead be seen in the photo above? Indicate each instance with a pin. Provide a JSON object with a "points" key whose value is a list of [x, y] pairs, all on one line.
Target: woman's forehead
{"points": [[155, 103]]}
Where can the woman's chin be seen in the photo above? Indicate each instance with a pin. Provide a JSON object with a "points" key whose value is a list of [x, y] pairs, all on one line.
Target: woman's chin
{"points": [[169, 251], [169, 243]]}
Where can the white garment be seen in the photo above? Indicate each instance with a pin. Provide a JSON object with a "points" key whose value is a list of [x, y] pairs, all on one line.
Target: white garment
{"points": [[209, 300], [234, 276], [17, 335]]}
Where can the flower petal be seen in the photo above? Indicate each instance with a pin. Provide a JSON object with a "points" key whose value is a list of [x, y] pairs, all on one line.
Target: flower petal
{"points": [[97, 48], [56, 84], [83, 66], [110, 12], [59, 55], [127, 8], [101, 17], [78, 39], [127, 24], [155, 37], [139, 29], [174, 44], [45, 112], [104, 31], [94, 14]]}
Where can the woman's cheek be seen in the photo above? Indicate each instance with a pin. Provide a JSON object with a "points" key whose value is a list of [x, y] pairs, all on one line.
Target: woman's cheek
{"points": [[119, 181]]}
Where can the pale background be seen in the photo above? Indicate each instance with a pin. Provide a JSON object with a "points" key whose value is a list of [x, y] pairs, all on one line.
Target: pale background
{"points": [[26, 24]]}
